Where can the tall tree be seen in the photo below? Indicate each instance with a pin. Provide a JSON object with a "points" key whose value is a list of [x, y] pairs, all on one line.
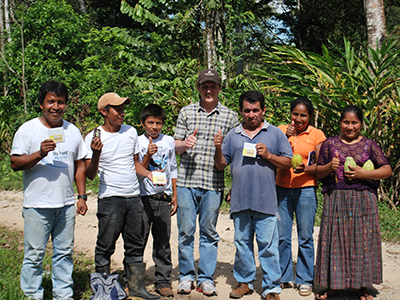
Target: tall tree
{"points": [[7, 18], [376, 25], [47, 42]]}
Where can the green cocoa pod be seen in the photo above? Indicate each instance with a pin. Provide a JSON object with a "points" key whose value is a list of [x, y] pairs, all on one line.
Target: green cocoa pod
{"points": [[349, 162], [369, 165], [296, 160]]}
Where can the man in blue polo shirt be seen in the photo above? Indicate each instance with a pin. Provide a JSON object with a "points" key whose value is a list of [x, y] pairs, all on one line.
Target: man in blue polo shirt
{"points": [[255, 149]]}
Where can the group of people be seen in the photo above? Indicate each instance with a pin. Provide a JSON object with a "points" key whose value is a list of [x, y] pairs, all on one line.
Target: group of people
{"points": [[141, 188], [349, 246]]}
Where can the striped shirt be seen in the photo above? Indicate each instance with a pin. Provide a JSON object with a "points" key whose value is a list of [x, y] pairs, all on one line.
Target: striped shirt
{"points": [[197, 169]]}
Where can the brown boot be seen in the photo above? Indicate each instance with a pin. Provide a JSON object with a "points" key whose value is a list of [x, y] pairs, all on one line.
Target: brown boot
{"points": [[165, 291], [241, 290], [273, 296]]}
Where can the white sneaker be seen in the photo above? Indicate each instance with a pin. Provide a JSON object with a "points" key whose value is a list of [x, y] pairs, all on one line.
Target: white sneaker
{"points": [[207, 288], [185, 287]]}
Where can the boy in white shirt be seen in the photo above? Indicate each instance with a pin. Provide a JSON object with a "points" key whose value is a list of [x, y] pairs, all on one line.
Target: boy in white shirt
{"points": [[157, 152]]}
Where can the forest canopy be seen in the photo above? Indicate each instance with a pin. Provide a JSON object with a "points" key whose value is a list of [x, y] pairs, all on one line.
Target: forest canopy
{"points": [[152, 52]]}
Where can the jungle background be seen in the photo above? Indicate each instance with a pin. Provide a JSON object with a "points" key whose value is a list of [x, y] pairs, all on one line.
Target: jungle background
{"points": [[335, 52]]}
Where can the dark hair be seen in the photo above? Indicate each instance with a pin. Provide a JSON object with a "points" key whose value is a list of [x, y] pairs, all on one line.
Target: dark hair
{"points": [[306, 102], [352, 109], [55, 87], [153, 110], [252, 97]]}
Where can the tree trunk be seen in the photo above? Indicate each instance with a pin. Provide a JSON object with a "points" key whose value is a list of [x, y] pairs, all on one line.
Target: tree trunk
{"points": [[2, 45], [7, 19], [218, 35], [239, 50], [210, 51], [376, 26], [1, 26], [82, 5]]}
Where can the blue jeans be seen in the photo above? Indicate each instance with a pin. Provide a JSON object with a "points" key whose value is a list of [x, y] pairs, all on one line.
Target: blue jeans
{"points": [[265, 227], [39, 224], [303, 202], [205, 203], [119, 215]]}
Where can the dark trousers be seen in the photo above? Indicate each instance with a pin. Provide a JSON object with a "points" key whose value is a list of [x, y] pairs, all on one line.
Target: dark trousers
{"points": [[157, 216], [119, 215]]}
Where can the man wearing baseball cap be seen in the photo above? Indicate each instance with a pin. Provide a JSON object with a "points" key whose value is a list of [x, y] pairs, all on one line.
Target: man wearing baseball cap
{"points": [[200, 185], [113, 155]]}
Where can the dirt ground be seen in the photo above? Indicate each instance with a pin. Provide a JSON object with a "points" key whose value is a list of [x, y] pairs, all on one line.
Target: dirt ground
{"points": [[85, 240]]}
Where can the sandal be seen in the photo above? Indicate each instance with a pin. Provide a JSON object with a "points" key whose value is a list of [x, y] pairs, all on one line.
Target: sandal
{"points": [[325, 294], [286, 285], [364, 294], [304, 289]]}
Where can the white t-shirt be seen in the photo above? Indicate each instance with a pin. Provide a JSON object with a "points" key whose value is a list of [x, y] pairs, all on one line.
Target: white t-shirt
{"points": [[163, 159], [49, 184], [117, 171]]}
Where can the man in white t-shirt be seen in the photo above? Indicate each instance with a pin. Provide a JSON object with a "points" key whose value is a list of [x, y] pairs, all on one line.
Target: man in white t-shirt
{"points": [[50, 151], [113, 155]]}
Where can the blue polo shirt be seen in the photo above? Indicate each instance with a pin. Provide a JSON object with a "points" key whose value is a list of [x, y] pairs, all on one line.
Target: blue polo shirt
{"points": [[253, 179]]}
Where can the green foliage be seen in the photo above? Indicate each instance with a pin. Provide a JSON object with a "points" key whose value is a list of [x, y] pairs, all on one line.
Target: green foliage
{"points": [[9, 180], [12, 254], [320, 206], [53, 36], [335, 79], [390, 223], [158, 49]]}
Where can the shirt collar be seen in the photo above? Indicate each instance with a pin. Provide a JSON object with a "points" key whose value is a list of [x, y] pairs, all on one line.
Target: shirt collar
{"points": [[240, 129], [308, 130], [216, 109]]}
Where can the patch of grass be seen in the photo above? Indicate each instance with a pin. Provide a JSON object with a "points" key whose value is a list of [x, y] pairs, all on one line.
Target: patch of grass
{"points": [[93, 185], [320, 198], [12, 254], [390, 223], [9, 179]]}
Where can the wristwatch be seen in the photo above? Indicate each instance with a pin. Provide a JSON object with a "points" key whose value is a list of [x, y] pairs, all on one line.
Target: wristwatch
{"points": [[84, 197]]}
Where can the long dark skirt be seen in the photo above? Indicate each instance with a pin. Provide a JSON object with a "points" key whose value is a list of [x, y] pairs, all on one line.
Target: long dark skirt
{"points": [[349, 251]]}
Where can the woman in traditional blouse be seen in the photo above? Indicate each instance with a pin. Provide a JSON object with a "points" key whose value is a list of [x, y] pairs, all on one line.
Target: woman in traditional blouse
{"points": [[349, 246]]}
